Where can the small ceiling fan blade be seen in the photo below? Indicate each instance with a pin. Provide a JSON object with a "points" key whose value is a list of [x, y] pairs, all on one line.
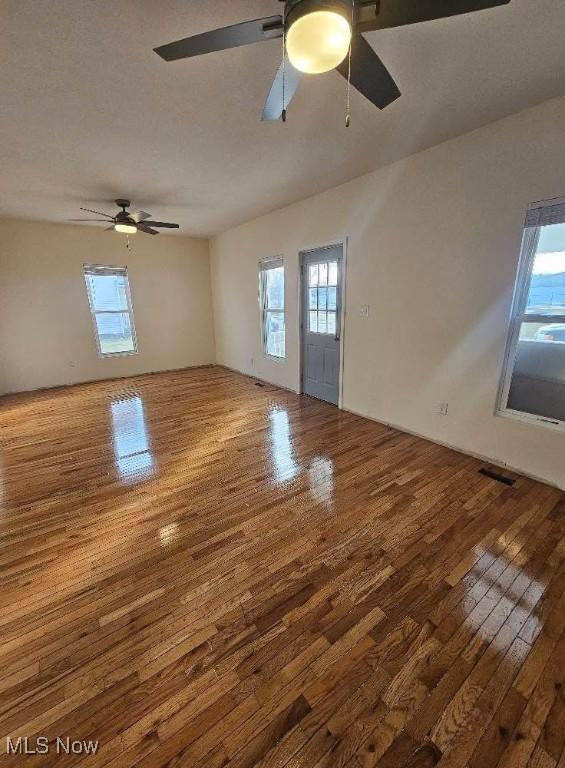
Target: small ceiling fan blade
{"points": [[368, 74], [163, 224], [98, 213], [397, 13], [221, 39], [144, 228], [140, 215], [107, 229], [274, 105]]}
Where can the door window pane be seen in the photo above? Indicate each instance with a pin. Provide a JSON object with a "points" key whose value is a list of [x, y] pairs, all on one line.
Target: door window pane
{"points": [[313, 322], [312, 298], [322, 296]]}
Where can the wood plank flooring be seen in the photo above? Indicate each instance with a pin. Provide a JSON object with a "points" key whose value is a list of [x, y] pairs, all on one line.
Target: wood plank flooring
{"points": [[198, 571]]}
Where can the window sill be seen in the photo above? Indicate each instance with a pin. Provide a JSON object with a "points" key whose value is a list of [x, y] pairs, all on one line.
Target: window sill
{"points": [[529, 418], [104, 356], [274, 358]]}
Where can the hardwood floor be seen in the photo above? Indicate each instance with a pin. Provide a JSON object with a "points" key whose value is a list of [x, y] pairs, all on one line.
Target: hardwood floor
{"points": [[197, 571]]}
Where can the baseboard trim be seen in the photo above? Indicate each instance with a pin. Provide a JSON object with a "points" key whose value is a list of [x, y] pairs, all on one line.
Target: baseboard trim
{"points": [[257, 378], [107, 380], [480, 457]]}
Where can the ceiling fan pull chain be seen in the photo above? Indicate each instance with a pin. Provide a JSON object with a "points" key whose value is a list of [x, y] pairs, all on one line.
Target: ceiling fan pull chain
{"points": [[283, 113], [348, 97]]}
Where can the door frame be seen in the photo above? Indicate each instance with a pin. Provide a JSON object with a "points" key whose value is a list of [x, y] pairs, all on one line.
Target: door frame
{"points": [[343, 242]]}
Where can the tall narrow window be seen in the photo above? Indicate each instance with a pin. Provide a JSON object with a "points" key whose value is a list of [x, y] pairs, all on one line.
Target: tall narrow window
{"points": [[533, 385], [271, 285], [112, 313]]}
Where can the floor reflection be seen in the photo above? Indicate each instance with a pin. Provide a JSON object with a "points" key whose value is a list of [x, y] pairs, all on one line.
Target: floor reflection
{"points": [[321, 480], [169, 534], [282, 451], [134, 459], [508, 589]]}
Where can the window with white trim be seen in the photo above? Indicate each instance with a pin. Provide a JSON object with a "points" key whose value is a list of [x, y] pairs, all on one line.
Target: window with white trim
{"points": [[271, 296], [110, 306], [533, 384]]}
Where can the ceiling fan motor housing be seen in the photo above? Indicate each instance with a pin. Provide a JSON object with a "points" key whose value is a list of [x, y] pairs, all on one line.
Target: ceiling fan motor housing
{"points": [[294, 9], [123, 217]]}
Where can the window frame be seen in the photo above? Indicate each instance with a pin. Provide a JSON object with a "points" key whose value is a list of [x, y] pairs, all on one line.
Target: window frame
{"points": [[530, 239], [103, 269], [336, 311], [265, 265]]}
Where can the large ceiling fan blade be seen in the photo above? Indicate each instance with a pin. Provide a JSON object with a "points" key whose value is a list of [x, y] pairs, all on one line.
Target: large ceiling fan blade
{"points": [[140, 216], [144, 228], [98, 213], [274, 105], [368, 74], [96, 220], [397, 13], [221, 39], [163, 224]]}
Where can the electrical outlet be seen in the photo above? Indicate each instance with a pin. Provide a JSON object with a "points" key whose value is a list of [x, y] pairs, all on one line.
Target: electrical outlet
{"points": [[252, 362], [443, 409], [364, 310]]}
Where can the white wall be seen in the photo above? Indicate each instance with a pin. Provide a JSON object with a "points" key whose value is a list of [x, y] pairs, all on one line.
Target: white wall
{"points": [[46, 334], [433, 247]]}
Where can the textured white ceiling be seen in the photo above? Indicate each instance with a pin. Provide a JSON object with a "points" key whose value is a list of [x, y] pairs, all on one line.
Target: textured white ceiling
{"points": [[88, 112]]}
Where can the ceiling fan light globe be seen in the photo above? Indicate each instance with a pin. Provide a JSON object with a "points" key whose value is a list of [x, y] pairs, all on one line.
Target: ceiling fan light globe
{"points": [[318, 41], [125, 229]]}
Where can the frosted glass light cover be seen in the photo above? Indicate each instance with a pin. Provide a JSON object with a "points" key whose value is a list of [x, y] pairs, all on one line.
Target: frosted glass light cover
{"points": [[318, 41]]}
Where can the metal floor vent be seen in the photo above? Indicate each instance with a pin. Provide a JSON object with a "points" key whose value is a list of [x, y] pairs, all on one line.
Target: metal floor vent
{"points": [[496, 476]]}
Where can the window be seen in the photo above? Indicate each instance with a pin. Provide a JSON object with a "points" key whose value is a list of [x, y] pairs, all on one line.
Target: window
{"points": [[533, 384], [112, 314], [322, 297], [271, 286]]}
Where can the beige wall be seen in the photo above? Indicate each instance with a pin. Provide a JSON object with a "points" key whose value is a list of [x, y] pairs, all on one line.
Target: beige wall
{"points": [[433, 246], [46, 334]]}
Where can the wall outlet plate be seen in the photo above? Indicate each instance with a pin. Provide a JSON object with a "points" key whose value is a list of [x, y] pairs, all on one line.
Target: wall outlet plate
{"points": [[364, 310]]}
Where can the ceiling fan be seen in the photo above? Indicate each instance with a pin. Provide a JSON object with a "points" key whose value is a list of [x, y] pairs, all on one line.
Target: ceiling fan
{"points": [[129, 223], [319, 35]]}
